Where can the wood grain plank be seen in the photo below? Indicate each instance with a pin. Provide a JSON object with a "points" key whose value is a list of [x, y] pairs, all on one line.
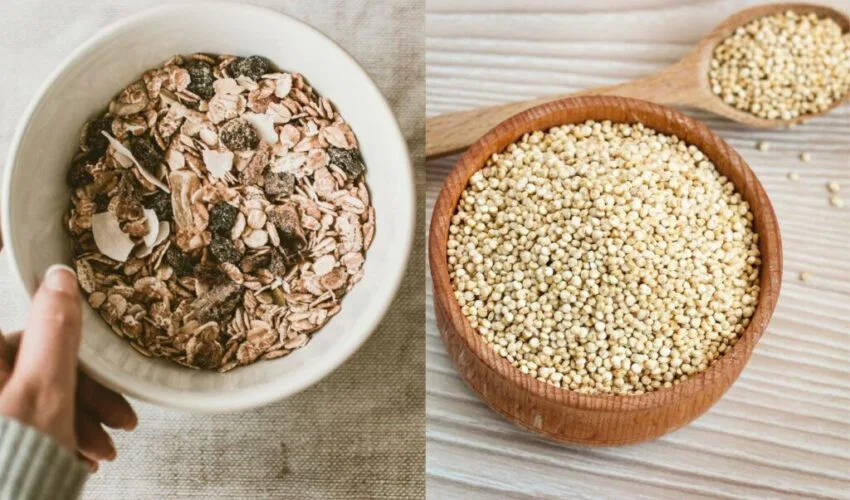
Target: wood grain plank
{"points": [[782, 431]]}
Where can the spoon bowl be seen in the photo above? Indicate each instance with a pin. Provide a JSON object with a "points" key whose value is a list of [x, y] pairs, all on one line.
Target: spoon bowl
{"points": [[685, 83], [698, 61]]}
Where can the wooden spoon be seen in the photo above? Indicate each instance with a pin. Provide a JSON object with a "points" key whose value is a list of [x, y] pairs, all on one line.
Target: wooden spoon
{"points": [[685, 83]]}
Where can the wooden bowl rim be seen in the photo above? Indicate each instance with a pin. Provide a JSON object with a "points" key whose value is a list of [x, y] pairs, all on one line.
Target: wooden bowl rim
{"points": [[476, 156]]}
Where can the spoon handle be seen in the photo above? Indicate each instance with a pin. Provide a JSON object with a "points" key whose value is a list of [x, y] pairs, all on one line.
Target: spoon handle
{"points": [[453, 132]]}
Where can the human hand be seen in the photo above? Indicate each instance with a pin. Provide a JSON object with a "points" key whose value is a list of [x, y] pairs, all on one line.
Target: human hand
{"points": [[40, 385]]}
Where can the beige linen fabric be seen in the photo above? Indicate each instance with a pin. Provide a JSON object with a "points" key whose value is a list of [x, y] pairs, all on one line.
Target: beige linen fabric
{"points": [[357, 434]]}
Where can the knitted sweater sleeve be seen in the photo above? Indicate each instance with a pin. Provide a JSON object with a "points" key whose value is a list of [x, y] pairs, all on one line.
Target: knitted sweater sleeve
{"points": [[34, 467]]}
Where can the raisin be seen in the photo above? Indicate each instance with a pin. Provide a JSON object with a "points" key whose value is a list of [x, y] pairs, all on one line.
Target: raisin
{"points": [[101, 202], [254, 67], [146, 153], [95, 141], [279, 185], [223, 250], [160, 202], [78, 175], [222, 217], [201, 78], [238, 135], [179, 261], [126, 202], [349, 160]]}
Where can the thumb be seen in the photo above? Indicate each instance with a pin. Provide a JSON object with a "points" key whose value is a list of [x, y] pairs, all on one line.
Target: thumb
{"points": [[48, 353]]}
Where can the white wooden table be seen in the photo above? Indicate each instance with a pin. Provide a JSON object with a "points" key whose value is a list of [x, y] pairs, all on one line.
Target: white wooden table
{"points": [[783, 430]]}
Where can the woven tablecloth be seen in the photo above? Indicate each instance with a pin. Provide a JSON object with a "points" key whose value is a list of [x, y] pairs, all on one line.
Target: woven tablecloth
{"points": [[357, 434]]}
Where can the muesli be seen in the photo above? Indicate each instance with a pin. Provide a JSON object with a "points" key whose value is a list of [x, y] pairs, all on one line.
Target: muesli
{"points": [[219, 211]]}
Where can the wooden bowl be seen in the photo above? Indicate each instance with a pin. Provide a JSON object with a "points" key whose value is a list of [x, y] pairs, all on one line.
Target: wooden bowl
{"points": [[565, 415]]}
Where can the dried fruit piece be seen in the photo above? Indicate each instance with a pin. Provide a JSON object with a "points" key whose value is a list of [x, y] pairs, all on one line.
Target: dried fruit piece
{"points": [[122, 150], [78, 175], [217, 305], [146, 153], [179, 261], [349, 160], [256, 166], [126, 203], [94, 140], [223, 250], [278, 186], [160, 202], [201, 78], [253, 67], [152, 223], [164, 232], [292, 240], [222, 217], [109, 238], [101, 202], [238, 135], [185, 184]]}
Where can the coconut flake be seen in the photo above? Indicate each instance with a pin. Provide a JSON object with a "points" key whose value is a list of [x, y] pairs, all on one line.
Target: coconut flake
{"points": [[218, 163], [164, 231], [126, 152], [153, 227], [264, 125], [109, 238]]}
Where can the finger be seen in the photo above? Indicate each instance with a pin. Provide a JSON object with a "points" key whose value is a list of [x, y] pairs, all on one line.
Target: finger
{"points": [[92, 439], [105, 405], [91, 464], [48, 352]]}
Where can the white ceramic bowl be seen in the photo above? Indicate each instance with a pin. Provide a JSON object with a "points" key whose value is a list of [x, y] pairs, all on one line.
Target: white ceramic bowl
{"points": [[35, 195]]}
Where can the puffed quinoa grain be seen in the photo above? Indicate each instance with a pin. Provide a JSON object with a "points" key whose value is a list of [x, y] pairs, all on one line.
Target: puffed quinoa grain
{"points": [[782, 66], [604, 258]]}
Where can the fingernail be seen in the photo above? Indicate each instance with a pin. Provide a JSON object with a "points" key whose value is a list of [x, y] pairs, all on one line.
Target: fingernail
{"points": [[61, 278]]}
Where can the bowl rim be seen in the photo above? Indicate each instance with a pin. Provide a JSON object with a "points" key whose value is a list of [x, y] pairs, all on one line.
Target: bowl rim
{"points": [[243, 398], [514, 127]]}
